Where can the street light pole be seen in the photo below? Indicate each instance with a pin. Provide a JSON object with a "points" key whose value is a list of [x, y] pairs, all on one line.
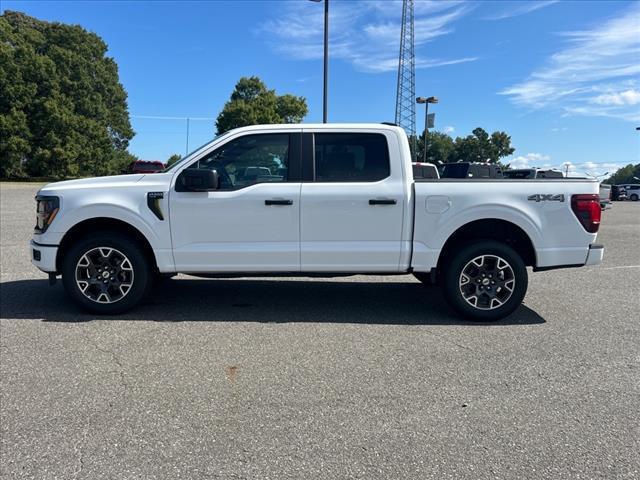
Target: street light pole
{"points": [[426, 102], [426, 131], [325, 86], [326, 61], [187, 150]]}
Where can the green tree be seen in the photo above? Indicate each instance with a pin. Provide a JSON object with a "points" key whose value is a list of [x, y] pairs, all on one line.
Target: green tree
{"points": [[478, 147], [439, 147], [63, 112], [173, 159], [625, 175], [252, 103], [482, 147]]}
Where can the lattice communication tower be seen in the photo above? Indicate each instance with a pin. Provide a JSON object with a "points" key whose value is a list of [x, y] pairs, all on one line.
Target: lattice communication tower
{"points": [[406, 92]]}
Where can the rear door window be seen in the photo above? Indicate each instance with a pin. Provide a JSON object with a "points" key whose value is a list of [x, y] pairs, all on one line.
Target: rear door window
{"points": [[351, 157]]}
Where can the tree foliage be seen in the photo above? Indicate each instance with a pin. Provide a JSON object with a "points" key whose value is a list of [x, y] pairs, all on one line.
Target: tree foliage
{"points": [[625, 175], [478, 147], [252, 103], [173, 159], [63, 112]]}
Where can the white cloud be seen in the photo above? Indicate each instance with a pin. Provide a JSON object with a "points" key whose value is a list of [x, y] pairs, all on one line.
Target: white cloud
{"points": [[520, 8], [590, 169], [627, 97], [448, 129], [582, 169], [601, 62], [529, 160], [365, 34]]}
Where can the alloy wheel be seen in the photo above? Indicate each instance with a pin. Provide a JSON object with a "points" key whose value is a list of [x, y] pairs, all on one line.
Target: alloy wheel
{"points": [[487, 282], [104, 275]]}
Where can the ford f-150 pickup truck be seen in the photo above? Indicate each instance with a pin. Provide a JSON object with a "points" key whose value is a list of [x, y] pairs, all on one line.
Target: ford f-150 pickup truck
{"points": [[329, 199]]}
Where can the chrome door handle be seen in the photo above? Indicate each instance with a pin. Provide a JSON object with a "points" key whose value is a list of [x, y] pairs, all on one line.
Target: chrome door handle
{"points": [[278, 202]]}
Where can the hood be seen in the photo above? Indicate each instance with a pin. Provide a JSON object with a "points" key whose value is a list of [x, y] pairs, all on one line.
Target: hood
{"points": [[97, 182]]}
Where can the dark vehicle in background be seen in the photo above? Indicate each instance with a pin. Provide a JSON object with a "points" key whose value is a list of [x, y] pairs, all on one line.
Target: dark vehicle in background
{"points": [[424, 170], [632, 189], [618, 193], [145, 166], [525, 173], [471, 170]]}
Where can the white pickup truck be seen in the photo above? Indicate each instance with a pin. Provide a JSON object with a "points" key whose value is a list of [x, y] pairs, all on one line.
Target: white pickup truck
{"points": [[327, 199]]}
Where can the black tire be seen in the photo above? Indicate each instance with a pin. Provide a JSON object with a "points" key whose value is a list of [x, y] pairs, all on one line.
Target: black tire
{"points": [[424, 277], [634, 197], [130, 281], [504, 301]]}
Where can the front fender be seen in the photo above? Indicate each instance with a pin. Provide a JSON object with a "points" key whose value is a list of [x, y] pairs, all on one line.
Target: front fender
{"points": [[129, 207]]}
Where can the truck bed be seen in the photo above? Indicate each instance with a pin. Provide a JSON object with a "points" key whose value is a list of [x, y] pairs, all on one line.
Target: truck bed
{"points": [[540, 207]]}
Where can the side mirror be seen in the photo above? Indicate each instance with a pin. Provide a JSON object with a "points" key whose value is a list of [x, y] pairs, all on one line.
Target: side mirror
{"points": [[197, 180]]}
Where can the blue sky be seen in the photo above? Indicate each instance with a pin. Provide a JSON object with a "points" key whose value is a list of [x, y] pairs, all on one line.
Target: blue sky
{"points": [[561, 77]]}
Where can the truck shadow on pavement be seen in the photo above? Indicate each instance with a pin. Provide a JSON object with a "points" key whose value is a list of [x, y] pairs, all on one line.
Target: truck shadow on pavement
{"points": [[257, 300]]}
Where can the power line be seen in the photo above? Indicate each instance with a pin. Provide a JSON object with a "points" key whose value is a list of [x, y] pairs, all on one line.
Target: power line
{"points": [[162, 117]]}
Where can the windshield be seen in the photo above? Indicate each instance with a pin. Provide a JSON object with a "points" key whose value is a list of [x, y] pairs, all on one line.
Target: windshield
{"points": [[192, 153]]}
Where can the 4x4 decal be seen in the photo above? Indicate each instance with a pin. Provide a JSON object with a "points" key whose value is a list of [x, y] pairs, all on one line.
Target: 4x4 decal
{"points": [[546, 197]]}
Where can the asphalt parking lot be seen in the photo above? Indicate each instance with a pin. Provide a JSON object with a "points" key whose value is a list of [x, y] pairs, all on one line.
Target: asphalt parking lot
{"points": [[359, 377]]}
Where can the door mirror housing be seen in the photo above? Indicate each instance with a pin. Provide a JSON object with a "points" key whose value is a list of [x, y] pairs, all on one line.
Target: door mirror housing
{"points": [[197, 180]]}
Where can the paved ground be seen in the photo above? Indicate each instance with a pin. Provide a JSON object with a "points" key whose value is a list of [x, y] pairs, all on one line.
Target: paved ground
{"points": [[365, 377]]}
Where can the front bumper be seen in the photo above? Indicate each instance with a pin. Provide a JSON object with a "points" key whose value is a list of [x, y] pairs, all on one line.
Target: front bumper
{"points": [[595, 255], [44, 256]]}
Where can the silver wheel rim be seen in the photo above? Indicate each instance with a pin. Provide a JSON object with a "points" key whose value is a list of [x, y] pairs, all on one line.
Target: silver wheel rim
{"points": [[104, 275], [487, 282]]}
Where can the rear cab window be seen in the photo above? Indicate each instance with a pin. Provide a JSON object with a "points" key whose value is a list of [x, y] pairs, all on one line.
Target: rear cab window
{"points": [[455, 170]]}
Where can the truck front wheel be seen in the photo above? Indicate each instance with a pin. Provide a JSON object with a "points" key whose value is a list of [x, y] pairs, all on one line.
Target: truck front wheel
{"points": [[106, 273], [485, 281]]}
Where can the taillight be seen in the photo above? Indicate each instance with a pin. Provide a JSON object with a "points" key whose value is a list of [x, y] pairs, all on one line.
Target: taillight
{"points": [[586, 207]]}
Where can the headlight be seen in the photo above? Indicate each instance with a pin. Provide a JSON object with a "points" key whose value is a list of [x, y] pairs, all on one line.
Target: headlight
{"points": [[46, 210]]}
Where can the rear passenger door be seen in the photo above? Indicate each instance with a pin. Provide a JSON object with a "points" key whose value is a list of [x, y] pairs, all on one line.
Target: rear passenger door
{"points": [[352, 203]]}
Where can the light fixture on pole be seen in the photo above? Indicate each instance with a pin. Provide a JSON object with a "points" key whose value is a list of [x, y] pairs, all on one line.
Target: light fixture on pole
{"points": [[326, 59], [426, 101]]}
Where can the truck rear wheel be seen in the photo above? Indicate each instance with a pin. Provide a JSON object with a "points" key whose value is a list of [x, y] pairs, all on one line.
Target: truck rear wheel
{"points": [[485, 281], [106, 273]]}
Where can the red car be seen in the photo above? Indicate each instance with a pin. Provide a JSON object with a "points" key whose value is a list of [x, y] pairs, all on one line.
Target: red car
{"points": [[144, 166]]}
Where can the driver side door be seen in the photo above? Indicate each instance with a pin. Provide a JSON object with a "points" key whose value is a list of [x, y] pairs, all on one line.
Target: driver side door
{"points": [[251, 223]]}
